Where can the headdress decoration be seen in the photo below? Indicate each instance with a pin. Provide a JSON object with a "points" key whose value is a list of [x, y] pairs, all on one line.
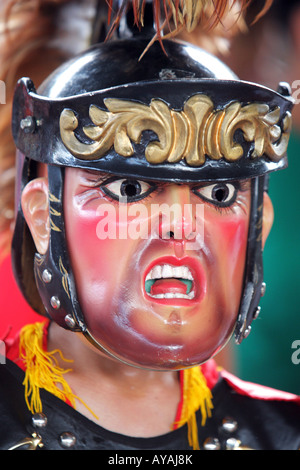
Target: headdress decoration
{"points": [[173, 16]]}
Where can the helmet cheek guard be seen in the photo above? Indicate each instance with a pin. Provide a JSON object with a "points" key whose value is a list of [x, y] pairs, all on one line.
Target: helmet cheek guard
{"points": [[181, 117]]}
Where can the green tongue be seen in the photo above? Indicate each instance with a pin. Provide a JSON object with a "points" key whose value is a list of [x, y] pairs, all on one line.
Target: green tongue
{"points": [[187, 282]]}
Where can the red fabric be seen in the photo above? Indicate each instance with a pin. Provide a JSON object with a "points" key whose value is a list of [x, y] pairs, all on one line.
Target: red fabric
{"points": [[260, 392], [211, 373], [14, 310]]}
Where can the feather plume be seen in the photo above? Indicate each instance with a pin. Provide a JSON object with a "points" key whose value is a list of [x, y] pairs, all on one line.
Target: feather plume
{"points": [[173, 16]]}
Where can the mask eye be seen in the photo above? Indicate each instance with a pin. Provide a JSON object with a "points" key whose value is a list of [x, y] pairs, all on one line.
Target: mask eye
{"points": [[220, 194], [132, 190]]}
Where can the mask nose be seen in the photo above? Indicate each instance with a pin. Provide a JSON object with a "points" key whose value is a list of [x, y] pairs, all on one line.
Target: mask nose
{"points": [[176, 218]]}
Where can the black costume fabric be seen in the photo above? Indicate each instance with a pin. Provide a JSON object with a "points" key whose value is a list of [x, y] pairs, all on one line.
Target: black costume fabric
{"points": [[261, 424]]}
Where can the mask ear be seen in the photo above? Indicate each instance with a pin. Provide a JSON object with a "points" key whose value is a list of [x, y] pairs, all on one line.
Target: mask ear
{"points": [[35, 208], [268, 218]]}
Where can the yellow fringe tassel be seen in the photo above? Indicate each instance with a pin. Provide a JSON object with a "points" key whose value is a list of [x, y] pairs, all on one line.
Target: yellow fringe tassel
{"points": [[42, 370], [196, 395]]}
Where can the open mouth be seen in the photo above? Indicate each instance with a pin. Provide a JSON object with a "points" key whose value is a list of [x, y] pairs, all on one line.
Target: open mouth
{"points": [[165, 281]]}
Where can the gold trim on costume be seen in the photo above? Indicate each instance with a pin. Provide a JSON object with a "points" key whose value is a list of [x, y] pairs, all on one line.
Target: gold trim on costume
{"points": [[195, 133], [32, 443]]}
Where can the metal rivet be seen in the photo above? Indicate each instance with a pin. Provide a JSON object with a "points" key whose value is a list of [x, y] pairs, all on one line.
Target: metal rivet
{"points": [[55, 302], [284, 89], [232, 443], [211, 443], [263, 289], [256, 313], [47, 276], [28, 124], [39, 420], [70, 322], [67, 439], [229, 425], [247, 332]]}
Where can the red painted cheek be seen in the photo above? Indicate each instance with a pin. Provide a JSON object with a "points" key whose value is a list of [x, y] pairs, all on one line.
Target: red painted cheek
{"points": [[226, 238], [235, 232], [88, 252], [106, 223], [99, 242], [233, 243]]}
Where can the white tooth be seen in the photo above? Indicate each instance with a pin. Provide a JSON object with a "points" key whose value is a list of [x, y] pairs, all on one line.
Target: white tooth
{"points": [[156, 272], [188, 274], [167, 271], [185, 272], [177, 271], [180, 296], [169, 295]]}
